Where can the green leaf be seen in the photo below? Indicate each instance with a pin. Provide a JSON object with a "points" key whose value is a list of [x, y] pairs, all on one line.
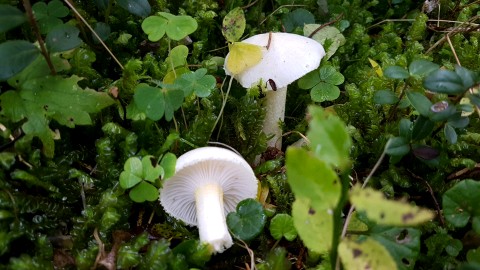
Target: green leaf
{"points": [[329, 36], [168, 163], [10, 17], [420, 102], [314, 224], [150, 172], [397, 146], [405, 129], [177, 57], [281, 225], [176, 27], [248, 221], [367, 254], [422, 67], [233, 25], [195, 253], [396, 72], [102, 30], [140, 8], [422, 128], [450, 134], [324, 92], [460, 203], [197, 82], [132, 174], [468, 77], [16, 55], [309, 80], [444, 81], [403, 244], [330, 75], [48, 16], [63, 38], [457, 121], [329, 138], [156, 102], [383, 97], [144, 192], [297, 18], [387, 212]]}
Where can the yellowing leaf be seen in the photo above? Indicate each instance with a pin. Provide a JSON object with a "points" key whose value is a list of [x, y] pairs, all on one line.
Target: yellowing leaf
{"points": [[387, 212], [376, 67], [368, 254], [243, 56]]}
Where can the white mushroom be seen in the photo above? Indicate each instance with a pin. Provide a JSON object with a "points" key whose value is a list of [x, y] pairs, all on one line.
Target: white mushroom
{"points": [[208, 183], [287, 58]]}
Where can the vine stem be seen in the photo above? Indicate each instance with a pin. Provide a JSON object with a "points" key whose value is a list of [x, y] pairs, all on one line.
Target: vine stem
{"points": [[36, 30]]}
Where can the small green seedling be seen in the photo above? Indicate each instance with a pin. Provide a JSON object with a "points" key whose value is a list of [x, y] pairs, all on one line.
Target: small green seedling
{"points": [[281, 225]]}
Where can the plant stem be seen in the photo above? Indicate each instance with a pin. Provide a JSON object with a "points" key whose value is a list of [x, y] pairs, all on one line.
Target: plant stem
{"points": [[36, 30]]}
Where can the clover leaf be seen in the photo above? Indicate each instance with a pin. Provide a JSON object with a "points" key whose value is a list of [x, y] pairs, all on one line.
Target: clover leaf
{"points": [[156, 102], [197, 82], [176, 27], [48, 16], [248, 221], [322, 83], [281, 225]]}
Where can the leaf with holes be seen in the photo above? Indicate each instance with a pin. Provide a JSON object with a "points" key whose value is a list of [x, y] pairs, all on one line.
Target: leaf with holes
{"points": [[248, 221], [52, 97], [366, 254], [281, 225], [387, 212], [460, 204]]}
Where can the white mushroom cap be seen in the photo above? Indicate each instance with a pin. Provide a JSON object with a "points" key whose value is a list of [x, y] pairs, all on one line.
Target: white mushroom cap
{"points": [[288, 58], [201, 167]]}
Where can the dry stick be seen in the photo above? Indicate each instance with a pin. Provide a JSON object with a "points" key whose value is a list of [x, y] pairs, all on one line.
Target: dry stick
{"points": [[455, 30], [250, 253], [93, 32], [462, 172], [249, 5], [31, 17], [223, 103], [430, 20]]}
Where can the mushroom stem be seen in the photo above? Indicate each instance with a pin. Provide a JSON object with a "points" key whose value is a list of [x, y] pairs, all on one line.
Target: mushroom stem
{"points": [[211, 220], [275, 106]]}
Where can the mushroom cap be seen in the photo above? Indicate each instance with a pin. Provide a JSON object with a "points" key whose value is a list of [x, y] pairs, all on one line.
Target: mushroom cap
{"points": [[287, 59], [207, 165]]}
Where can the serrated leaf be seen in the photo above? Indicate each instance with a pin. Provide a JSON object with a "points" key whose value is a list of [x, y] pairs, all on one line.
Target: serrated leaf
{"points": [[422, 67], [387, 212], [460, 203], [281, 225], [63, 38], [140, 8], [420, 102], [368, 254], [10, 17], [16, 55], [396, 72], [297, 18], [248, 221], [233, 25], [329, 138], [444, 81], [324, 92], [383, 97], [197, 82], [144, 192]]}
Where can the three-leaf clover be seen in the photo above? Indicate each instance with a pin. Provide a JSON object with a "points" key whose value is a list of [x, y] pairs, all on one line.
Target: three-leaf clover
{"points": [[322, 83], [176, 27], [197, 82]]}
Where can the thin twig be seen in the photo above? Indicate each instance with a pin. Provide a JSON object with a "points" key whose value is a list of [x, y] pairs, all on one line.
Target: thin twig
{"points": [[447, 36], [325, 25], [93, 32], [249, 5], [250, 253], [223, 103], [36, 30], [278, 10]]}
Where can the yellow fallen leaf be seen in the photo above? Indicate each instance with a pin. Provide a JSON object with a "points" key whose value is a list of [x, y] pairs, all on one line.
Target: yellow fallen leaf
{"points": [[243, 56]]}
